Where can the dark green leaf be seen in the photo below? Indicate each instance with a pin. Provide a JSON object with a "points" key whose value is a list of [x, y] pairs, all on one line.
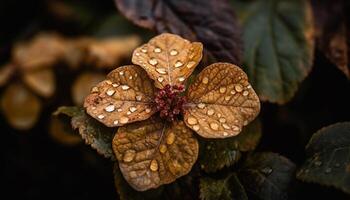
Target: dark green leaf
{"points": [[93, 132], [328, 153], [211, 22], [226, 188], [279, 45], [220, 153], [267, 176]]}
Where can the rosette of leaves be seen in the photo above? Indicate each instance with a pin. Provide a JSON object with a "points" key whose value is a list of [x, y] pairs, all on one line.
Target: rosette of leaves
{"points": [[157, 116]]}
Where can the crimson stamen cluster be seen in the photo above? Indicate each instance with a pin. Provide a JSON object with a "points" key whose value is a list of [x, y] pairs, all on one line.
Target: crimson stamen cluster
{"points": [[169, 103]]}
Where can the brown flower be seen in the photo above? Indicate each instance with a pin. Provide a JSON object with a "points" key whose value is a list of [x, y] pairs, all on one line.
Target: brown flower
{"points": [[157, 150]]}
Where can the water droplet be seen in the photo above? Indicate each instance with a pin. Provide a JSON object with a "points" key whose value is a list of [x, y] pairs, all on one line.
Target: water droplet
{"points": [[130, 77], [235, 128], [219, 114], [227, 98], [160, 79], [108, 82], [214, 126], [249, 86], [181, 79], [124, 120], [144, 50], [115, 122], [128, 113], [121, 73], [210, 112], [191, 64], [173, 52], [195, 127], [245, 123], [115, 85], [110, 108], [138, 97], [191, 121], [162, 148], [201, 105], [132, 109], [119, 110], [148, 110], [238, 88], [178, 64], [154, 165], [153, 61], [161, 70], [233, 92], [226, 126], [129, 156], [205, 80], [170, 138], [110, 92], [125, 87], [222, 120], [94, 89], [266, 170], [245, 93], [225, 134], [101, 116], [137, 54], [318, 163], [222, 90], [157, 50]]}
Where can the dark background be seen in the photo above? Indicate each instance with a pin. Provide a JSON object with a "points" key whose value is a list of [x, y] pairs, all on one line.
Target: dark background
{"points": [[33, 166]]}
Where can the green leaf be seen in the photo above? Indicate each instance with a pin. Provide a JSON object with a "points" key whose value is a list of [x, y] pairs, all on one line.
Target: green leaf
{"points": [[219, 153], [226, 188], [328, 153], [279, 45], [267, 176], [93, 132]]}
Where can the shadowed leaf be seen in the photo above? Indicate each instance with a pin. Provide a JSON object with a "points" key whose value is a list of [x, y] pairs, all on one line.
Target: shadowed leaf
{"points": [[63, 133], [328, 154], [219, 153], [279, 45], [211, 22], [267, 176], [221, 102], [152, 153]]}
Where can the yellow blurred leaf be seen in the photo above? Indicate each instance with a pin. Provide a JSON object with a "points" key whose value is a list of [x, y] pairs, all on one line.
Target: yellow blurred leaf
{"points": [[83, 84], [6, 72], [41, 81]]}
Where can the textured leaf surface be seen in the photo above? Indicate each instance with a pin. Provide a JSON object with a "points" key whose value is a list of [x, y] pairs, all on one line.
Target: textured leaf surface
{"points": [[93, 133], [278, 43], [217, 154], [224, 189], [126, 96], [168, 59], [20, 107], [267, 176], [221, 102], [41, 81], [83, 84], [151, 153], [211, 22], [328, 153]]}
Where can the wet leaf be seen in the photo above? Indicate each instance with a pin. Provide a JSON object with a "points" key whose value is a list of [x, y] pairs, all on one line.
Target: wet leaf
{"points": [[279, 45], [267, 176], [328, 154], [168, 59], [63, 133], [211, 22], [20, 107], [221, 102], [6, 72], [217, 154], [332, 28], [126, 96], [44, 50], [93, 133], [83, 84], [108, 53], [41, 81], [152, 153], [225, 188]]}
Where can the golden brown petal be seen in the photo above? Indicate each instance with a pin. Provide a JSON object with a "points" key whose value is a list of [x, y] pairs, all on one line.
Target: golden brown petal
{"points": [[168, 59], [126, 96], [221, 102], [151, 153], [41, 81]]}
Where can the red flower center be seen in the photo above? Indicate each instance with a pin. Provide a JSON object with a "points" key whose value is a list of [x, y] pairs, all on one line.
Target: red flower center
{"points": [[169, 102]]}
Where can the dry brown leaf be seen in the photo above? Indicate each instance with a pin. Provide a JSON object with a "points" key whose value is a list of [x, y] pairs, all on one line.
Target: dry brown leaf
{"points": [[76, 51], [151, 153], [83, 84], [221, 102], [126, 96], [43, 50], [20, 107], [168, 59], [62, 133], [108, 53], [6, 72], [41, 81]]}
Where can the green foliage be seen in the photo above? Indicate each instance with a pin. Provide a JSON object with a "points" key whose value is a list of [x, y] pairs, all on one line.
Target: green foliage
{"points": [[216, 154], [328, 154], [278, 45], [267, 176], [93, 132], [225, 189]]}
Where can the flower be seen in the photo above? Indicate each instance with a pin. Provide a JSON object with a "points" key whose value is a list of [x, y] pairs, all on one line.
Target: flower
{"points": [[155, 143]]}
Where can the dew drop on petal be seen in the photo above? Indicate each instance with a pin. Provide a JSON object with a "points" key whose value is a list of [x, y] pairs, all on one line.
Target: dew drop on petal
{"points": [[214, 126], [191, 64], [170, 138], [124, 120], [161, 70], [153, 61], [178, 64], [192, 120], [129, 156], [162, 148], [238, 88], [110, 92], [154, 165], [157, 50], [173, 52], [210, 112], [110, 108], [205, 80]]}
